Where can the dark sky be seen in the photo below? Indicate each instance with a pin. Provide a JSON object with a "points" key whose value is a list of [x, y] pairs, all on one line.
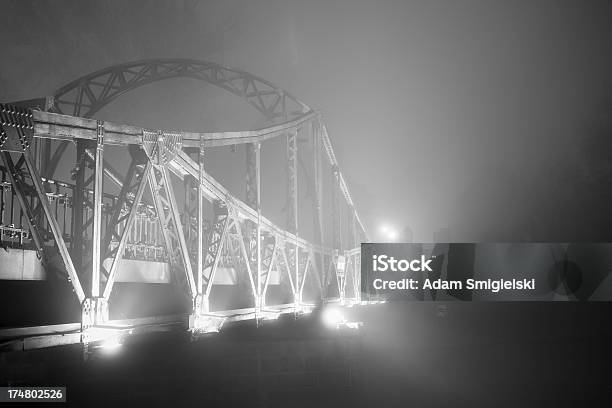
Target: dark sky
{"points": [[490, 118]]}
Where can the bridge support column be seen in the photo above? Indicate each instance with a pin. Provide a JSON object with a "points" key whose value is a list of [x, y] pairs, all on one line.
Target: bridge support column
{"points": [[259, 299], [292, 218], [340, 266], [94, 310], [97, 212], [201, 320], [356, 261], [200, 233], [357, 283], [338, 257], [252, 185], [252, 200], [80, 206], [318, 201]]}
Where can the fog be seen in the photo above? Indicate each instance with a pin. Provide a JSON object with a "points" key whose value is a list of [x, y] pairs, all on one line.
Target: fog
{"points": [[489, 118]]}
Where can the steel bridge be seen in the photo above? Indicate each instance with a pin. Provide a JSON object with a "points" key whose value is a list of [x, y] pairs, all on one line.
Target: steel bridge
{"points": [[102, 221]]}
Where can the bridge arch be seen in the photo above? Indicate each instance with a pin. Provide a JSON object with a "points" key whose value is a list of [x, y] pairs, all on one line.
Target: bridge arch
{"points": [[88, 94]]}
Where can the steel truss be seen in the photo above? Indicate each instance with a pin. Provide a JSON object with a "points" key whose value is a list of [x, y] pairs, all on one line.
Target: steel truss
{"points": [[160, 149], [239, 235], [16, 132]]}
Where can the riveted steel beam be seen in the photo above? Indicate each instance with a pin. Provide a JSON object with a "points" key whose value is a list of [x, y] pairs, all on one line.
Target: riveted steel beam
{"points": [[97, 212]]}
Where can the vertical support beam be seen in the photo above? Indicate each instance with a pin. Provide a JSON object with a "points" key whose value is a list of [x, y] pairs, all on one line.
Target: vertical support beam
{"points": [[251, 175], [337, 231], [251, 232], [292, 169], [357, 282], [258, 298], [45, 156], [78, 201], [43, 150], [200, 234], [318, 183], [190, 211], [357, 257], [298, 295], [336, 210], [292, 201], [97, 211]]}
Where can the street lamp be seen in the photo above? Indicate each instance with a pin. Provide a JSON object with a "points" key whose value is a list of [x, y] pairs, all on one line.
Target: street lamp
{"points": [[388, 232]]}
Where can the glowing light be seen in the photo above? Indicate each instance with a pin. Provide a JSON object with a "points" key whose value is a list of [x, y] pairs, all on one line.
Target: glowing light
{"points": [[388, 233], [111, 345], [107, 340], [332, 317]]}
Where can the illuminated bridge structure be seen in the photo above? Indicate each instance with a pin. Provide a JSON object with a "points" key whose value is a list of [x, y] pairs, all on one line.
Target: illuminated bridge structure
{"points": [[166, 212]]}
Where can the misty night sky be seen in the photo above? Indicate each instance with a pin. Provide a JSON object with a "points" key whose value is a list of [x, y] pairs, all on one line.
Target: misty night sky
{"points": [[491, 118]]}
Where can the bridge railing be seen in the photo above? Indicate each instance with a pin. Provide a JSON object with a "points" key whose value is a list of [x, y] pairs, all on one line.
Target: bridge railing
{"points": [[12, 230], [144, 241]]}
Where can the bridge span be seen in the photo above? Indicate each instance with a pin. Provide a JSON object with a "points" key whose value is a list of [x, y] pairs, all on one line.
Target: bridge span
{"points": [[164, 219]]}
